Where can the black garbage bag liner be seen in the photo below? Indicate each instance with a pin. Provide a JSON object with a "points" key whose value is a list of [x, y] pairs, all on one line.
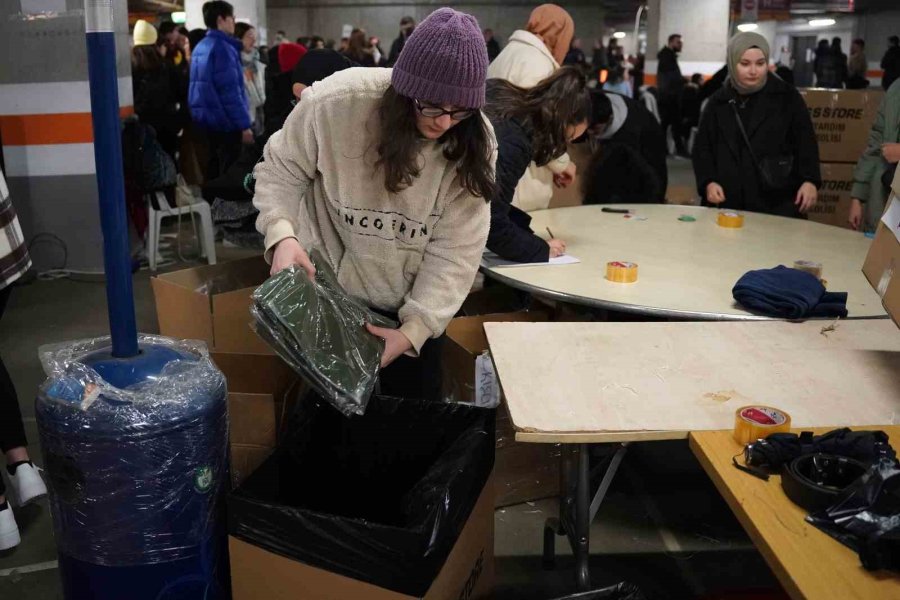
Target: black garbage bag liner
{"points": [[620, 591], [381, 498], [319, 330], [866, 518]]}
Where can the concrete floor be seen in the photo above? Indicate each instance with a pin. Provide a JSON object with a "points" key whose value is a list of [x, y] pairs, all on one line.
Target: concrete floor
{"points": [[663, 526]]}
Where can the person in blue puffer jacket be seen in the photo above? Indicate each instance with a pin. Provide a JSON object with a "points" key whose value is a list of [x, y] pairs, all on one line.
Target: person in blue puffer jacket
{"points": [[217, 96]]}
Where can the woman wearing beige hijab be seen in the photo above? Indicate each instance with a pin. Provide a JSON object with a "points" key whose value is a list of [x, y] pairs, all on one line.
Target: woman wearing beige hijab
{"points": [[531, 55], [756, 149]]}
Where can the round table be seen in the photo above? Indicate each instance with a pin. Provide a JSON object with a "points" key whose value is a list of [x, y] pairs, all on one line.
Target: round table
{"points": [[686, 270]]}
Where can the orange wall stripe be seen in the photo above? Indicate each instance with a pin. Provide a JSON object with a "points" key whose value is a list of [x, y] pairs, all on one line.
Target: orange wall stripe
{"points": [[60, 128]]}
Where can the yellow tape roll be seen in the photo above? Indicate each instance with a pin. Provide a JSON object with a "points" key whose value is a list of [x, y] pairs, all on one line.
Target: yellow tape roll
{"points": [[753, 423], [622, 272], [730, 219], [813, 268]]}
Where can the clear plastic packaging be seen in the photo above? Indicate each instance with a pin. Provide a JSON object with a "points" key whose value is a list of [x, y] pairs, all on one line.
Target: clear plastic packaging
{"points": [[319, 330], [135, 453]]}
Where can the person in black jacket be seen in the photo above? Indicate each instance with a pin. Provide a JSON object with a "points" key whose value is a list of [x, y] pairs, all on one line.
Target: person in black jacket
{"points": [[628, 152], [407, 25], [157, 90], [670, 84], [890, 62], [531, 125], [493, 46], [780, 132]]}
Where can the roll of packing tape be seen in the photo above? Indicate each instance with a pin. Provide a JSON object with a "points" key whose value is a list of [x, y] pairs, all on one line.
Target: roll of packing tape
{"points": [[813, 268], [622, 272], [730, 219], [753, 423]]}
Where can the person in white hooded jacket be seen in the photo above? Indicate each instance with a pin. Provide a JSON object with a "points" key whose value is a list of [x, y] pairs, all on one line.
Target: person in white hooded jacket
{"points": [[531, 55]]}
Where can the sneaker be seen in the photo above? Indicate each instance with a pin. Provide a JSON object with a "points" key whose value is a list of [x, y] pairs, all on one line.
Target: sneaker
{"points": [[9, 531], [26, 483]]}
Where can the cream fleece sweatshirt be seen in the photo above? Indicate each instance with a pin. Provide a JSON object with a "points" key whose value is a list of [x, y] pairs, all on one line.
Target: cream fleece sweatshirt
{"points": [[415, 252]]}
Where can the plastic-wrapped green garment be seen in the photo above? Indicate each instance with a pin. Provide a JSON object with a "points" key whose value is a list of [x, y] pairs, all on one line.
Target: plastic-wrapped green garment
{"points": [[319, 330]]}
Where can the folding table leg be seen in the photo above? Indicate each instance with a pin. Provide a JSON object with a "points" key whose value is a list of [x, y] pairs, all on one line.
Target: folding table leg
{"points": [[581, 547]]}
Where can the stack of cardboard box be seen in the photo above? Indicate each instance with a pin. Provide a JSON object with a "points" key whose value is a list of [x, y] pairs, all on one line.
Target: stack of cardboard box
{"points": [[842, 120], [882, 266], [212, 303]]}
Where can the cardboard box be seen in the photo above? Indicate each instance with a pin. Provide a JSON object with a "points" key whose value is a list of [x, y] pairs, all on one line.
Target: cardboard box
{"points": [[468, 572], [262, 391], [882, 266], [833, 207], [522, 472], [842, 120], [212, 303]]}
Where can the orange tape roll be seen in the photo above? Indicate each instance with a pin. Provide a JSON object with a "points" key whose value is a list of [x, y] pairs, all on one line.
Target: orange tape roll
{"points": [[730, 219], [622, 272], [753, 423]]}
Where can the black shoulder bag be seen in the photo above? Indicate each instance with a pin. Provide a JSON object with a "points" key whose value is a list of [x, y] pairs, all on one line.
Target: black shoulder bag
{"points": [[774, 171]]}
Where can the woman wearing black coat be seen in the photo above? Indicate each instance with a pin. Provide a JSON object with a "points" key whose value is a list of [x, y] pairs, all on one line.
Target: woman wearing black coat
{"points": [[157, 88], [530, 125], [780, 175]]}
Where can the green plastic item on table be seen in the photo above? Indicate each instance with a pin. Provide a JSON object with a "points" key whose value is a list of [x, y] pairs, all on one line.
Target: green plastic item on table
{"points": [[319, 330], [687, 218]]}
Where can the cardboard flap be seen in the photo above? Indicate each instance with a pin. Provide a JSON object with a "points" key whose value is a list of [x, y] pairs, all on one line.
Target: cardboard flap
{"points": [[232, 323], [252, 419], [255, 373], [468, 332], [181, 312], [891, 217], [220, 278]]}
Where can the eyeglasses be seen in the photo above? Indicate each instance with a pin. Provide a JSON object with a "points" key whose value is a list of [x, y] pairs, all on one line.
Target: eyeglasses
{"points": [[433, 112]]}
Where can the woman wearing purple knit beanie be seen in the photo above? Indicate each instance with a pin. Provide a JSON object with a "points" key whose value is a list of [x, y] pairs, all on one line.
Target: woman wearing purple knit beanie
{"points": [[388, 172]]}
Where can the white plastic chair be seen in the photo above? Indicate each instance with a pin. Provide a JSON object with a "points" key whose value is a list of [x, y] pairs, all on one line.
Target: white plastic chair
{"points": [[200, 208]]}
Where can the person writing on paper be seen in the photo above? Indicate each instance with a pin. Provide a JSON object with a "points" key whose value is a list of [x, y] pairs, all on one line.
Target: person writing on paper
{"points": [[756, 149], [532, 125], [388, 174]]}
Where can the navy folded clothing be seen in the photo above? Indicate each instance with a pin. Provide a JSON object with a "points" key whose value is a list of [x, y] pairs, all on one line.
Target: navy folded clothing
{"points": [[788, 294]]}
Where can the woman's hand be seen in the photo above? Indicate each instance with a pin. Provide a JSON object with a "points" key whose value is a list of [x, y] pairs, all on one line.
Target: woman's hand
{"points": [[288, 253], [395, 343], [891, 153], [714, 193], [565, 179], [557, 247], [856, 211], [807, 196]]}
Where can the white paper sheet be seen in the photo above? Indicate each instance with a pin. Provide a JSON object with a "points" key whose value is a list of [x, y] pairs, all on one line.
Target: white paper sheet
{"points": [[492, 261]]}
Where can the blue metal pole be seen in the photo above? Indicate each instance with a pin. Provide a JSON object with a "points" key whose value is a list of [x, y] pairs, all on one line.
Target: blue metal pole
{"points": [[101, 52]]}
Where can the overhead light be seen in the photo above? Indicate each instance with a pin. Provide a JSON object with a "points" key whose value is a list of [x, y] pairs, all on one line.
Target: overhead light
{"points": [[747, 27], [619, 35], [821, 22], [179, 17]]}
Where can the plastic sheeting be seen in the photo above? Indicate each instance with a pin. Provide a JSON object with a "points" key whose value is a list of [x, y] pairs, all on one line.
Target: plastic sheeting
{"points": [[318, 329], [867, 517], [135, 451], [381, 498]]}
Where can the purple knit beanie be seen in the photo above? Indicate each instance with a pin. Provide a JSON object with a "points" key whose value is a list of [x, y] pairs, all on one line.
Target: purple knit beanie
{"points": [[444, 61]]}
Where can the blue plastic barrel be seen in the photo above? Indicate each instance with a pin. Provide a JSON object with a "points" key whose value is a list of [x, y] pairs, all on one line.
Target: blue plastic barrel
{"points": [[137, 481]]}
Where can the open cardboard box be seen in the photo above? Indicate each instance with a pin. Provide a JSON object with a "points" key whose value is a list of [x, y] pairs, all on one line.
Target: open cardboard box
{"points": [[468, 572], [522, 472], [212, 303], [262, 391], [882, 266]]}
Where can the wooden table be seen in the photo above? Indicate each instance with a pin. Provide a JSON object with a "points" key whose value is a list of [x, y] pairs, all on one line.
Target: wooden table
{"points": [[808, 562], [686, 269], [582, 383]]}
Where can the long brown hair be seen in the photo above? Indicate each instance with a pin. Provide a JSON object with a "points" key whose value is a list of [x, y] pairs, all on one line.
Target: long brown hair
{"points": [[467, 144], [548, 109], [146, 57], [358, 46]]}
